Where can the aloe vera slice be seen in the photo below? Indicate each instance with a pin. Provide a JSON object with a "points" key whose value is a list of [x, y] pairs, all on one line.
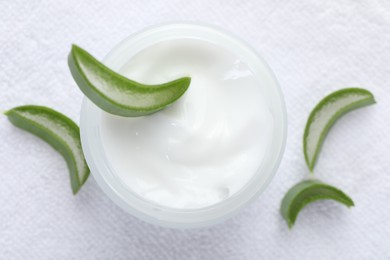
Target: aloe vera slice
{"points": [[57, 130], [307, 192], [117, 94], [326, 113]]}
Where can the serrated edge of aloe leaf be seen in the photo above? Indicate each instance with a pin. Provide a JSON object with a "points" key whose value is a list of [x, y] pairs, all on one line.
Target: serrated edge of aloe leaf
{"points": [[52, 139], [358, 104], [289, 202], [106, 103]]}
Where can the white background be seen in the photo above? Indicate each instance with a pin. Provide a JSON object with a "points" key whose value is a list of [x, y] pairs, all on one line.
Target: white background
{"points": [[313, 48]]}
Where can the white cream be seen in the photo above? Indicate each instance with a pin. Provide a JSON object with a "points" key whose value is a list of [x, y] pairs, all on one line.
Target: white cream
{"points": [[207, 145]]}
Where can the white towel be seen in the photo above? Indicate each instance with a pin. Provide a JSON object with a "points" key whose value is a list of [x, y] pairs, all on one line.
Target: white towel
{"points": [[314, 47]]}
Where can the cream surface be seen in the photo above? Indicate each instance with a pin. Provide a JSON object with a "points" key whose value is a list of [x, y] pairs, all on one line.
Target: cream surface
{"points": [[205, 147]]}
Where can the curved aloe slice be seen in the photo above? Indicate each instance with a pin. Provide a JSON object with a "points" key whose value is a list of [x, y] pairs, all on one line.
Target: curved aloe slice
{"points": [[306, 192], [118, 95], [326, 113], [57, 130]]}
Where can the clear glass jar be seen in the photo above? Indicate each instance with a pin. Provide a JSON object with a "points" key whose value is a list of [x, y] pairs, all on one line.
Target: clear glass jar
{"points": [[171, 217]]}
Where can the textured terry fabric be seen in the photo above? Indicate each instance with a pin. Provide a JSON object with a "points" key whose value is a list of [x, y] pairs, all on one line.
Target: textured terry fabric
{"points": [[314, 47]]}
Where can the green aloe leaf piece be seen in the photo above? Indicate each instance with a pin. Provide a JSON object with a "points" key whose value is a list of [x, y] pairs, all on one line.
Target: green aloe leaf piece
{"points": [[117, 94], [306, 192], [57, 130], [326, 113]]}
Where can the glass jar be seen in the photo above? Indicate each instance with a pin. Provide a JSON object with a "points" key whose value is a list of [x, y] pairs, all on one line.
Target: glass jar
{"points": [[173, 217]]}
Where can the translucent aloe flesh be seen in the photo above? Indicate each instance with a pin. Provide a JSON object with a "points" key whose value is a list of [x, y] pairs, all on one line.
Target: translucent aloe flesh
{"points": [[57, 130], [117, 94], [306, 192], [326, 113]]}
